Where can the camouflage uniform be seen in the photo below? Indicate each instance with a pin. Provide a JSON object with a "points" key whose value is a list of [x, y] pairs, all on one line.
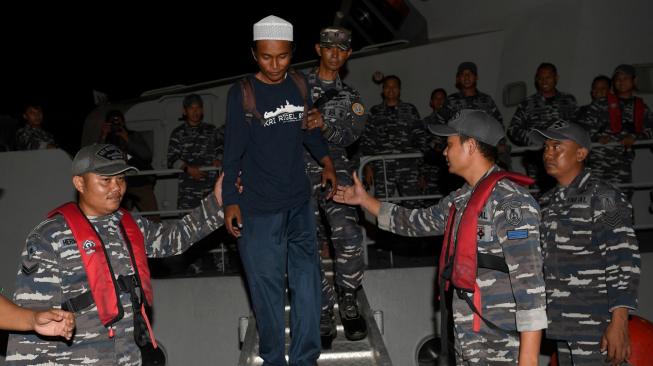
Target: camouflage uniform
{"points": [[613, 163], [514, 301], [538, 112], [394, 130], [433, 166], [199, 146], [52, 272], [479, 101], [344, 120], [30, 138], [591, 262]]}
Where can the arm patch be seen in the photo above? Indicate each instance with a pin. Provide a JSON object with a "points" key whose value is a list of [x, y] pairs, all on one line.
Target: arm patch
{"points": [[512, 211]]}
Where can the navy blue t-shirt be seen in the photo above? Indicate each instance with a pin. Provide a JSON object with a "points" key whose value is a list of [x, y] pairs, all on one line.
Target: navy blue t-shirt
{"points": [[269, 153]]}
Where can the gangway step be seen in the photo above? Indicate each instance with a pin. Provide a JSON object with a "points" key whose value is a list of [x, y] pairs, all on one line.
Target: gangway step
{"points": [[370, 351]]}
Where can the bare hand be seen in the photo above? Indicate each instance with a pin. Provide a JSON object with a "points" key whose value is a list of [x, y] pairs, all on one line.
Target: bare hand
{"points": [[217, 189], [615, 339], [232, 212], [195, 172], [628, 141], [104, 131], [351, 195], [421, 183], [54, 323], [315, 119], [604, 139], [239, 184], [122, 133], [369, 175], [329, 176]]}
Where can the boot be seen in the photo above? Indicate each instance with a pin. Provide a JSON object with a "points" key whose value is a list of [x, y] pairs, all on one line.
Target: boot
{"points": [[328, 330], [352, 319]]}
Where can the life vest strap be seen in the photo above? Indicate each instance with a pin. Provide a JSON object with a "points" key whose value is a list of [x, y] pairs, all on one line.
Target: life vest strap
{"points": [[477, 312], [83, 301], [493, 262]]}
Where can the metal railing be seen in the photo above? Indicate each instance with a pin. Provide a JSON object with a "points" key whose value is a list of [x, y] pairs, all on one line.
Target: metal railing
{"points": [[515, 151], [384, 158], [167, 172]]}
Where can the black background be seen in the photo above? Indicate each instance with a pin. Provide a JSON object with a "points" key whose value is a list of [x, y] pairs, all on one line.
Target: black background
{"points": [[58, 55]]}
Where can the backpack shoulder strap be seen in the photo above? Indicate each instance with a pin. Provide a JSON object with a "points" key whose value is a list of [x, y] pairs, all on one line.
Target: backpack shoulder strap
{"points": [[249, 99], [300, 80]]}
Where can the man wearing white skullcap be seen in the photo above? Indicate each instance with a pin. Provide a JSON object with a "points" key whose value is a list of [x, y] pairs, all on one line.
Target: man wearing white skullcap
{"points": [[267, 129], [273, 28]]}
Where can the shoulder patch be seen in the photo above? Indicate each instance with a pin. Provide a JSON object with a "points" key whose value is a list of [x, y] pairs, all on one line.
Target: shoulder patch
{"points": [[611, 216], [607, 201], [358, 109], [512, 211]]}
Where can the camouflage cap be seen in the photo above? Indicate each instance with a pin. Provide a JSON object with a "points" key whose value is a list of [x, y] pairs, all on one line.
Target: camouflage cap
{"points": [[563, 130], [335, 37], [473, 123], [102, 159]]}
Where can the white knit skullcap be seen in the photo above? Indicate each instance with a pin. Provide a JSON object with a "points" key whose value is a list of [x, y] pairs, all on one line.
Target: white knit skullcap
{"points": [[273, 28]]}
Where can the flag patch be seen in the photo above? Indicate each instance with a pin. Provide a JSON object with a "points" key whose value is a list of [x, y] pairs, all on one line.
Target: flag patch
{"points": [[517, 234]]}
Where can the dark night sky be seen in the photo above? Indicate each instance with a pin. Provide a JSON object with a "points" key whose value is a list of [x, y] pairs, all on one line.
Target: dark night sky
{"points": [[58, 59]]}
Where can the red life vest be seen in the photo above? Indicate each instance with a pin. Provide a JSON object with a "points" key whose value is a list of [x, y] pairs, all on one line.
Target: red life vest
{"points": [[100, 275], [459, 255], [614, 109]]}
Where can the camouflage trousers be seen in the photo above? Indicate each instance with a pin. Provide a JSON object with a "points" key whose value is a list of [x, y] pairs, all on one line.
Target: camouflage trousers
{"points": [[485, 347], [401, 177], [346, 237], [579, 353]]}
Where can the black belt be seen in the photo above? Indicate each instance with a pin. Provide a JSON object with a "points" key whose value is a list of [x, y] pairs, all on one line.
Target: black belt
{"points": [[78, 303]]}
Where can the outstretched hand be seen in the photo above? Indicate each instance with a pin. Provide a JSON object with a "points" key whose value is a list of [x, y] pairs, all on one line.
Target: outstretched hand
{"points": [[54, 323], [352, 195]]}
